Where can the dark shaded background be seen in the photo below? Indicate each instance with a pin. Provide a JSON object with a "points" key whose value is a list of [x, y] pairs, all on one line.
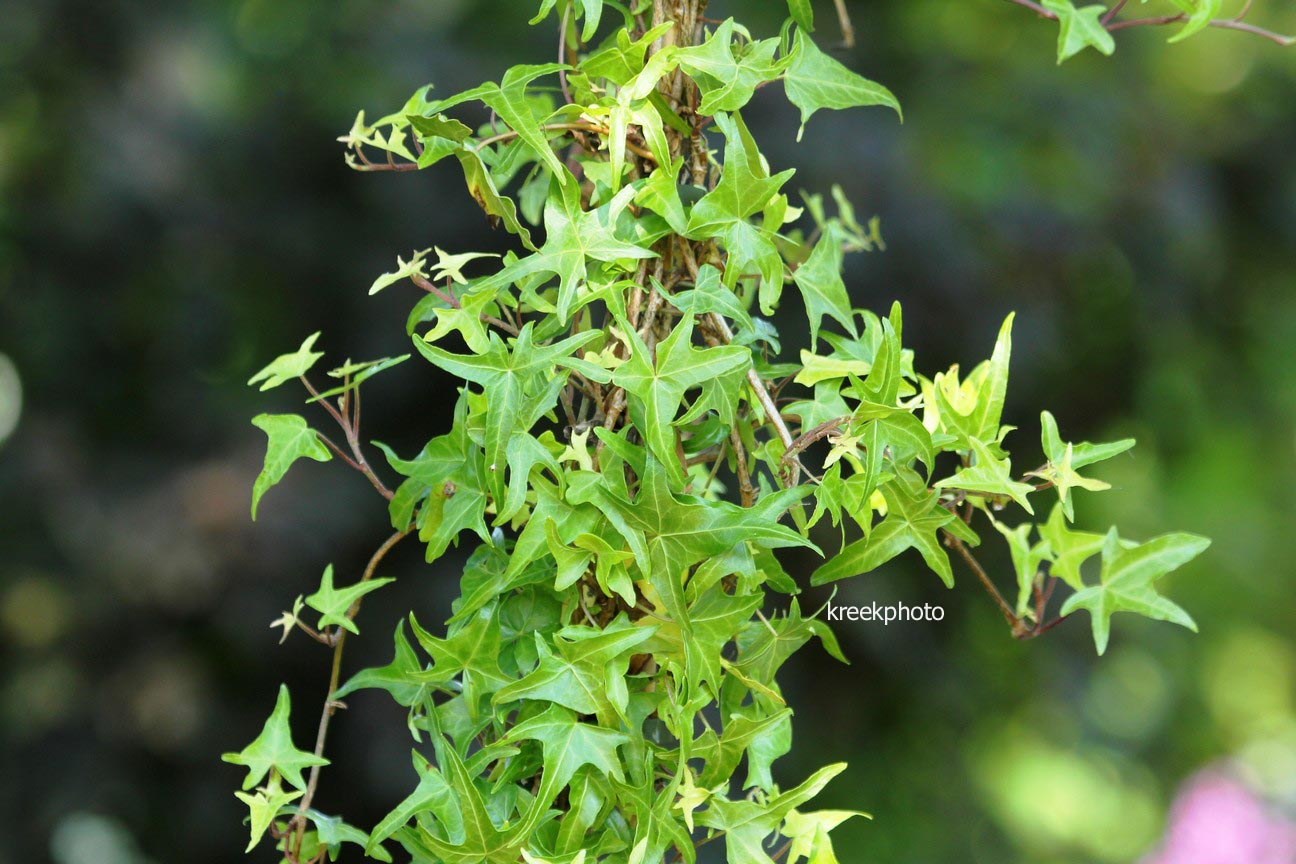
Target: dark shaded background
{"points": [[174, 212]]}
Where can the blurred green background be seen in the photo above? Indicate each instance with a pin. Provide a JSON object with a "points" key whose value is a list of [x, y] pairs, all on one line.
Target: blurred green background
{"points": [[174, 212]]}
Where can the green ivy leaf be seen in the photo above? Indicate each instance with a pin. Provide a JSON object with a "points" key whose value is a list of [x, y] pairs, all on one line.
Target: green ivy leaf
{"points": [[332, 832], [745, 189], [520, 383], [763, 647], [1080, 29], [670, 534], [333, 604], [623, 59], [264, 806], [403, 678], [573, 237], [568, 746], [913, 521], [273, 749], [1127, 578], [582, 669], [1068, 549], [1064, 459], [287, 367], [1026, 560], [728, 79], [989, 475], [509, 99], [1200, 14], [446, 485], [748, 823], [709, 295], [432, 795], [814, 81], [290, 439], [591, 9], [470, 653], [802, 12], [482, 840], [656, 388], [822, 288]]}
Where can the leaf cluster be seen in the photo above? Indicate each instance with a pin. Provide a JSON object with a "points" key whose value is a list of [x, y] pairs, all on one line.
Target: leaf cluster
{"points": [[628, 449]]}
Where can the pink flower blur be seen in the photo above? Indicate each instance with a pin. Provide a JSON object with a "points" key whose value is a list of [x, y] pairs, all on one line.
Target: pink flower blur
{"points": [[1217, 820]]}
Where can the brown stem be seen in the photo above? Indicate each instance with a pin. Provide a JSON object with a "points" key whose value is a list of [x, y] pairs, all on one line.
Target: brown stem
{"points": [[1036, 8], [805, 439], [351, 429], [562, 54], [721, 328], [313, 633], [847, 28], [1235, 23], [1041, 630], [1019, 628], [389, 165], [744, 476], [426, 284], [330, 705]]}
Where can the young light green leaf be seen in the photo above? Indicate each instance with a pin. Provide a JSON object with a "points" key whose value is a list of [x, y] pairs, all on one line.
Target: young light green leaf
{"points": [[1199, 18], [989, 475], [1026, 560], [746, 824], [573, 237], [591, 9], [809, 834], [355, 374], [1126, 584], [822, 288], [273, 749], [415, 266], [580, 670], [656, 389], [286, 367], [802, 12], [1080, 28], [1064, 459], [814, 80], [334, 604], [623, 59], [987, 387], [290, 439], [913, 521], [264, 806], [728, 79], [1068, 549]]}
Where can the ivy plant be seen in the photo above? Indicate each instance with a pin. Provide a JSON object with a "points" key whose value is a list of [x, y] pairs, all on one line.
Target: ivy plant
{"points": [[630, 446]]}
